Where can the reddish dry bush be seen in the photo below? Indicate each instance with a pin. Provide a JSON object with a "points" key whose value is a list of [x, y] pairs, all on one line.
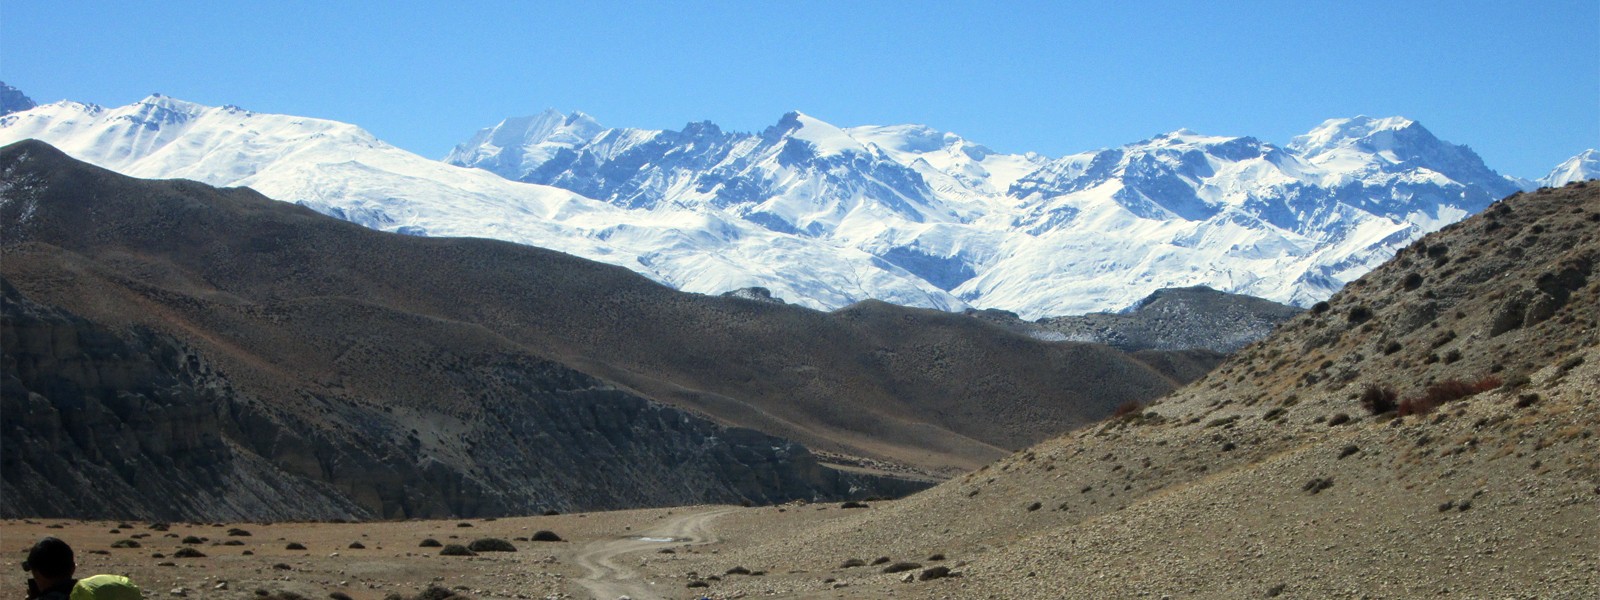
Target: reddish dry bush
{"points": [[1445, 392], [1128, 409], [1486, 384]]}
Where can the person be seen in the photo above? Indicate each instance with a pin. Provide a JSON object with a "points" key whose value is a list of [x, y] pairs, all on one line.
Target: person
{"points": [[51, 566]]}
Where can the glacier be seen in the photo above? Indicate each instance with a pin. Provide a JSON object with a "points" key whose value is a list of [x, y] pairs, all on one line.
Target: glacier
{"points": [[826, 216]]}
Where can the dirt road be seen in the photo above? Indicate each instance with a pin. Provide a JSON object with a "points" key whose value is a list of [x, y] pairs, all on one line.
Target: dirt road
{"points": [[607, 574]]}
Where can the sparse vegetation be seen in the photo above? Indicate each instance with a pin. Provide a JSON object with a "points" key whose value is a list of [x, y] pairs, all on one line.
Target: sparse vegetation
{"points": [[491, 545], [1379, 399], [1358, 315], [1412, 281], [1526, 400], [1315, 486], [432, 592], [456, 550], [1128, 409], [1444, 392], [544, 535], [430, 543], [901, 567]]}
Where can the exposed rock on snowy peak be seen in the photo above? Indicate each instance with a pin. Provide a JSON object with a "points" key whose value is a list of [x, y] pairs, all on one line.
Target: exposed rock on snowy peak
{"points": [[1395, 167], [521, 144], [1583, 167], [13, 100]]}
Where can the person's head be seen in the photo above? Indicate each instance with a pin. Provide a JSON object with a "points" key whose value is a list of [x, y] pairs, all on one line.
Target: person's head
{"points": [[50, 562]]}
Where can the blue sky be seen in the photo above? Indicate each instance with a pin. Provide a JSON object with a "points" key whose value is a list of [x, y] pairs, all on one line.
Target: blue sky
{"points": [[1517, 81]]}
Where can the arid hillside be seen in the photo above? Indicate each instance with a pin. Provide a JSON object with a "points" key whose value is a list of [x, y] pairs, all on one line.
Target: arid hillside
{"points": [[377, 374], [1431, 431]]}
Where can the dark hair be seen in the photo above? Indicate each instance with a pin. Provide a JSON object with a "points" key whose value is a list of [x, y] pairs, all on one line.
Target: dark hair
{"points": [[51, 557]]}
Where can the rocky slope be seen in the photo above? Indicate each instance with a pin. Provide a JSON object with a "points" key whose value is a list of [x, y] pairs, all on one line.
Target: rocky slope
{"points": [[1284, 473], [430, 376], [1169, 319], [13, 100]]}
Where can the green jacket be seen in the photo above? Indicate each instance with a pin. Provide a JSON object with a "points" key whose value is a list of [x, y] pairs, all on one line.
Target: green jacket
{"points": [[105, 587]]}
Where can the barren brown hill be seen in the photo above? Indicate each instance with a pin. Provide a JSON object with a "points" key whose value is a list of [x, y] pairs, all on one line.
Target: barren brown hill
{"points": [[1286, 472], [415, 376]]}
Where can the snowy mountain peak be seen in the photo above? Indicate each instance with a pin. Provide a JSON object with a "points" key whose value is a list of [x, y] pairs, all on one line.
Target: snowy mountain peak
{"points": [[1583, 167], [823, 136], [1361, 132], [1189, 139], [165, 110], [1398, 151], [524, 143]]}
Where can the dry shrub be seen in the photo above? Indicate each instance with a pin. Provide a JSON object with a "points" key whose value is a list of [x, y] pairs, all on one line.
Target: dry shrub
{"points": [[1379, 399], [1127, 409], [1444, 392]]}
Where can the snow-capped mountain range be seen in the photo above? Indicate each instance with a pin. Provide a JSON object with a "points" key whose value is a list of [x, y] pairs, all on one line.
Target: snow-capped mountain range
{"points": [[826, 216]]}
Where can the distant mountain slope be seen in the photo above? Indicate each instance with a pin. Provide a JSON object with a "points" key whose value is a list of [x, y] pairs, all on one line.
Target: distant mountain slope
{"points": [[825, 216], [1169, 319], [1269, 477], [345, 340]]}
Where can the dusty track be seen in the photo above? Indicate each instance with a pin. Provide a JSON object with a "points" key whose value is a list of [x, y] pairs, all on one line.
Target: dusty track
{"points": [[607, 578]]}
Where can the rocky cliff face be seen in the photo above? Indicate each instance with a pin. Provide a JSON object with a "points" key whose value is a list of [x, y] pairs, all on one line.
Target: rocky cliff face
{"points": [[133, 424]]}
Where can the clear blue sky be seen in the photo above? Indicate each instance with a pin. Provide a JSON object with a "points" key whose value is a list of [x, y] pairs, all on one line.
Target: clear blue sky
{"points": [[1517, 81]]}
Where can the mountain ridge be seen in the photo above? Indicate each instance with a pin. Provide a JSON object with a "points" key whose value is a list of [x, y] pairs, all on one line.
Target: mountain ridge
{"points": [[826, 216]]}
